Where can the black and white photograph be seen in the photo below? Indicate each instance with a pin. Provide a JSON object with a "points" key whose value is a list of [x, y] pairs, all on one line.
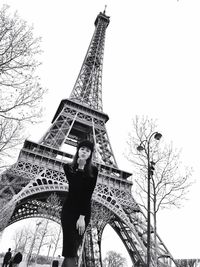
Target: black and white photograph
{"points": [[99, 133]]}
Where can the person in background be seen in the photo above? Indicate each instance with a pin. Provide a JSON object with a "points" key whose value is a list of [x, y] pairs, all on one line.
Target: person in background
{"points": [[7, 258], [15, 261], [56, 262], [76, 211]]}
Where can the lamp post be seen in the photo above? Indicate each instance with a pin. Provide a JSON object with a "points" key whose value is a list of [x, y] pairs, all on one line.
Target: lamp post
{"points": [[145, 145], [33, 242]]}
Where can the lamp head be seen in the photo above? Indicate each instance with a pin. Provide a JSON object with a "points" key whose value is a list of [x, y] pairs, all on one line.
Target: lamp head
{"points": [[157, 136], [140, 148]]}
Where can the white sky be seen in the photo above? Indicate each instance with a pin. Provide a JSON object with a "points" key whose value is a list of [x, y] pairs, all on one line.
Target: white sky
{"points": [[151, 67]]}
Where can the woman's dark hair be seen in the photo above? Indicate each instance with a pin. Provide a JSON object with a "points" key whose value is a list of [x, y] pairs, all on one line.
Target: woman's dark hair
{"points": [[88, 166]]}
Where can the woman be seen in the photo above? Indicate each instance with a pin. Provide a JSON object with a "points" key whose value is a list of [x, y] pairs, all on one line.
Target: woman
{"points": [[76, 211]]}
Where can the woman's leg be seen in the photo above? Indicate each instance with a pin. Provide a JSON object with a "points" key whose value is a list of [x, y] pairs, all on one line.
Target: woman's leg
{"points": [[69, 262], [70, 234]]}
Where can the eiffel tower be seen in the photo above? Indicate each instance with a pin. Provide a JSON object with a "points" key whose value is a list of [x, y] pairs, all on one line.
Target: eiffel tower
{"points": [[38, 171]]}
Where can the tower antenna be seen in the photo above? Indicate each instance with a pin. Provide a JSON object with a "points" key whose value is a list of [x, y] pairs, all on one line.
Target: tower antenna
{"points": [[105, 9]]}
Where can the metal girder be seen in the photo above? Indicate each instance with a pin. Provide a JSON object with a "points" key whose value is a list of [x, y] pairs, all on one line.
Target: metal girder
{"points": [[72, 122], [111, 201], [88, 87], [35, 208], [39, 169]]}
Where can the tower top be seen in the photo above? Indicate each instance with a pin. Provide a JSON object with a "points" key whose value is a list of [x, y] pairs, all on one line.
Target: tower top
{"points": [[103, 17], [105, 9], [88, 86]]}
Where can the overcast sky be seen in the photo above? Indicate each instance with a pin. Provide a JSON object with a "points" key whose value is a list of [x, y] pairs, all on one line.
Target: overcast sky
{"points": [[151, 67]]}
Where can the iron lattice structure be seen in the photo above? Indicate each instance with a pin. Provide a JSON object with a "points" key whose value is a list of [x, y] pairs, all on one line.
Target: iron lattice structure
{"points": [[38, 172]]}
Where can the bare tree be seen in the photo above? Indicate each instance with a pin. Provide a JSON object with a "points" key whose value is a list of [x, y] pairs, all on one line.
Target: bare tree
{"points": [[169, 180], [183, 263], [51, 208], [114, 259], [46, 234], [22, 239], [20, 89], [188, 262], [29, 240], [191, 262], [17, 238]]}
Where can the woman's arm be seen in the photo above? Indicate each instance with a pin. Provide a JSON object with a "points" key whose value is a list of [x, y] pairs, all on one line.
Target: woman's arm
{"points": [[66, 168], [88, 192]]}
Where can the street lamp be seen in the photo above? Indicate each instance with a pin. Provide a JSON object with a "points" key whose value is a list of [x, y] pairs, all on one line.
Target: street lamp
{"points": [[33, 242], [145, 145]]}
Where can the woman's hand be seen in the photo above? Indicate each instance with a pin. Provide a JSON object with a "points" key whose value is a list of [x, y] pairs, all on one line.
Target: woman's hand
{"points": [[80, 224], [81, 163]]}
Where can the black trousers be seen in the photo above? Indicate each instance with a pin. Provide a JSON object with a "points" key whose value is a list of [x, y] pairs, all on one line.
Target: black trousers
{"points": [[71, 238], [5, 263]]}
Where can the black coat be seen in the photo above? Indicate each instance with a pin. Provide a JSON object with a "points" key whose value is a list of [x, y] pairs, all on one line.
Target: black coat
{"points": [[17, 258], [7, 256], [77, 202]]}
